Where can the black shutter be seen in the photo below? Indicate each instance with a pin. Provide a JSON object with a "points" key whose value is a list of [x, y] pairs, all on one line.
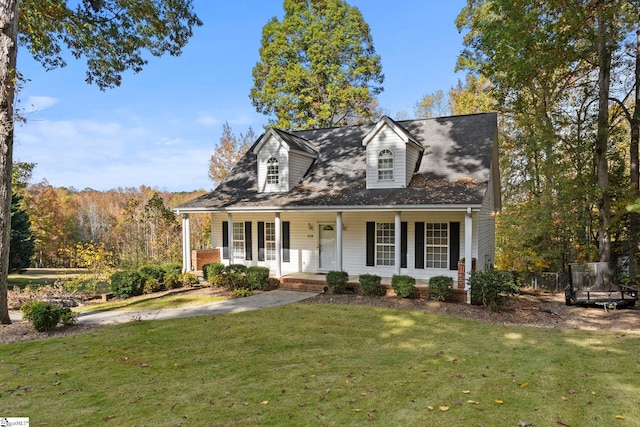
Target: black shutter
{"points": [[419, 235], [260, 240], [285, 241], [454, 245], [248, 250], [225, 240], [371, 243], [403, 245]]}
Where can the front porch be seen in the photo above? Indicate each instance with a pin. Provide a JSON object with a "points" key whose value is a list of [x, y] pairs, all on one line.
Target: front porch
{"points": [[316, 282]]}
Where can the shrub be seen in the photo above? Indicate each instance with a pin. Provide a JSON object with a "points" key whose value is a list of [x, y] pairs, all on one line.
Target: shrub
{"points": [[209, 271], [404, 286], [370, 285], [233, 281], [45, 317], [240, 293], [171, 267], [491, 287], [337, 281], [236, 268], [440, 287], [171, 280], [188, 279], [151, 285], [258, 278], [151, 271], [125, 284]]}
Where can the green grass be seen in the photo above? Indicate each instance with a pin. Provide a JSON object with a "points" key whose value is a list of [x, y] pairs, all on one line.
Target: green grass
{"points": [[151, 302], [42, 276], [324, 365]]}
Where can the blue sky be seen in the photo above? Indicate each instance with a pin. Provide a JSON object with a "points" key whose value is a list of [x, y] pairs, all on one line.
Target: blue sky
{"points": [[162, 125]]}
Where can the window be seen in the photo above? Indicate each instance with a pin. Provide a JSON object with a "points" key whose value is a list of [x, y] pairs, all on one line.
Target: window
{"points": [[273, 172], [385, 165], [385, 243], [238, 240], [437, 245], [270, 241]]}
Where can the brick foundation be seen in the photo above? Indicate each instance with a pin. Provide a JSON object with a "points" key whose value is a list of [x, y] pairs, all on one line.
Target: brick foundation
{"points": [[461, 272], [204, 256]]}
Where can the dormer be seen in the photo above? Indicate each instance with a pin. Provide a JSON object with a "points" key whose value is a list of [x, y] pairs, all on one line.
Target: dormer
{"points": [[282, 159], [392, 155]]}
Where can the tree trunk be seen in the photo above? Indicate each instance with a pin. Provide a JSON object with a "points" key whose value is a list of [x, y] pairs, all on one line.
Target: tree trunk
{"points": [[8, 54], [634, 172], [602, 137]]}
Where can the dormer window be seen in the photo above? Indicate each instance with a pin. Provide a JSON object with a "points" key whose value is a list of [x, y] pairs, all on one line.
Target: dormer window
{"points": [[273, 171], [385, 165]]}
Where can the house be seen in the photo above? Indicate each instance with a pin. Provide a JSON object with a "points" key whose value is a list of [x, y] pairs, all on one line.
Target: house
{"points": [[410, 197]]}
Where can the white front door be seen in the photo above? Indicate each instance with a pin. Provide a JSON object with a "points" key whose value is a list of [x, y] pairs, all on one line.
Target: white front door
{"points": [[327, 247]]}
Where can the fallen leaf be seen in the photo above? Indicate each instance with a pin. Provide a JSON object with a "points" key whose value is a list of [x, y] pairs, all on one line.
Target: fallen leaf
{"points": [[593, 393], [473, 402], [264, 402], [524, 384], [143, 365], [443, 408], [356, 410], [498, 401], [561, 422], [430, 408], [454, 361], [563, 398], [570, 391], [619, 417], [524, 424], [466, 391]]}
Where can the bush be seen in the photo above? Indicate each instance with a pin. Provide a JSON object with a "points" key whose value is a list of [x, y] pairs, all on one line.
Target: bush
{"points": [[404, 286], [337, 281], [370, 285], [440, 287], [125, 284], [240, 293], [188, 279], [151, 271], [171, 280], [45, 317], [233, 281], [171, 267], [152, 285], [236, 268], [491, 287], [209, 271], [258, 278]]}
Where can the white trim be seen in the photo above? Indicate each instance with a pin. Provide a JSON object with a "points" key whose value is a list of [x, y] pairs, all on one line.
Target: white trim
{"points": [[339, 241], [468, 257], [342, 208], [398, 243], [278, 266]]}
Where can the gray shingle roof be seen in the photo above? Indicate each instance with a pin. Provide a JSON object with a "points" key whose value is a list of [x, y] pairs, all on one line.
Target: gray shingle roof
{"points": [[454, 170]]}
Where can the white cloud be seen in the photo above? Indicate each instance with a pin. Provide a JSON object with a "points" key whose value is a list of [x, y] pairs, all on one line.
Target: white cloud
{"points": [[208, 120], [38, 103], [105, 155]]}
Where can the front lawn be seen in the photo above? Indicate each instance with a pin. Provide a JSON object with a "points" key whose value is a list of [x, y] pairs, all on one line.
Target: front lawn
{"points": [[305, 364]]}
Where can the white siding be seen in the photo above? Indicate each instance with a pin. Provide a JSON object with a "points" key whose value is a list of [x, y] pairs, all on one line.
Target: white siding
{"points": [[387, 139], [273, 148], [487, 229], [413, 155], [298, 166]]}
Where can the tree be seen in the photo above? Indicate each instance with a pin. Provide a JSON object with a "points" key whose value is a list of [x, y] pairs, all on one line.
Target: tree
{"points": [[228, 152], [21, 247], [431, 105], [318, 67], [113, 36]]}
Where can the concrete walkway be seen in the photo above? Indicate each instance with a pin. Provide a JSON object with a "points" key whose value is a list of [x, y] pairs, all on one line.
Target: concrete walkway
{"points": [[236, 305]]}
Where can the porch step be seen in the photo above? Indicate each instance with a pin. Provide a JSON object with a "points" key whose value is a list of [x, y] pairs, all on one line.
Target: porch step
{"points": [[302, 286]]}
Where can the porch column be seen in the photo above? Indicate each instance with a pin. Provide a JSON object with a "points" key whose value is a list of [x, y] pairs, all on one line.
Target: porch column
{"points": [[468, 259], [339, 241], [397, 244], [186, 244], [278, 224], [230, 236], [213, 240]]}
